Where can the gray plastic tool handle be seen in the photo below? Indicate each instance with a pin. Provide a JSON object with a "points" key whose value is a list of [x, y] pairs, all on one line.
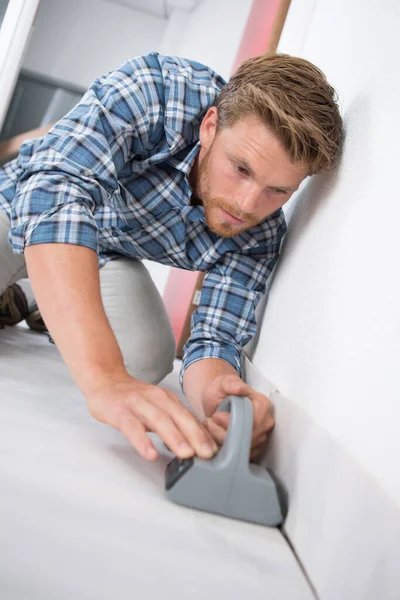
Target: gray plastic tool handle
{"points": [[228, 484], [236, 448]]}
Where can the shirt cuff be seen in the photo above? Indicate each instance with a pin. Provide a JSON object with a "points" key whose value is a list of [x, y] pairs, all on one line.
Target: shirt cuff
{"points": [[80, 231], [232, 357]]}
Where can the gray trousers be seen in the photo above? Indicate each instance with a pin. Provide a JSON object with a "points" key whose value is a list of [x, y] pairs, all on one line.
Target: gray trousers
{"points": [[132, 304]]}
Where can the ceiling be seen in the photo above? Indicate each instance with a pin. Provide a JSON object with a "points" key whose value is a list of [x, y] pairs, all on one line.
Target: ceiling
{"points": [[159, 8]]}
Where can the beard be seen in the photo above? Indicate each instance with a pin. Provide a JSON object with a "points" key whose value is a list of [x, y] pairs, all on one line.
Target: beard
{"points": [[212, 206]]}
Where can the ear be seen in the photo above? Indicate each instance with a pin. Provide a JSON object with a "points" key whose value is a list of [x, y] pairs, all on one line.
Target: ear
{"points": [[208, 128]]}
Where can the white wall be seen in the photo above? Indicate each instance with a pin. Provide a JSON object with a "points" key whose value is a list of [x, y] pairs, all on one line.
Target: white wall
{"points": [[76, 41], [212, 33], [16, 21], [330, 336]]}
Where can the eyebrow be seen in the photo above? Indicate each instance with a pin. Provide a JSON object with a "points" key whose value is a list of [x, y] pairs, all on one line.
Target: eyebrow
{"points": [[243, 163], [281, 187]]}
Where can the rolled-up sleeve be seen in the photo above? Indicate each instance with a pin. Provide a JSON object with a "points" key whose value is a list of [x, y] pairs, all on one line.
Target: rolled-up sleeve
{"points": [[76, 166], [225, 319]]}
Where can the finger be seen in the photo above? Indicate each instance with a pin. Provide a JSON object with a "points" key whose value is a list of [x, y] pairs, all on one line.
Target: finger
{"points": [[259, 412], [160, 422], [194, 432], [264, 427], [255, 453], [259, 440], [263, 419], [221, 419], [186, 412], [218, 432], [134, 431], [176, 426], [235, 385], [257, 447]]}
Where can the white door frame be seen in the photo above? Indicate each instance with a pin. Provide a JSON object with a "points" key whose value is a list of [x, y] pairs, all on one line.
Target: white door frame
{"points": [[15, 33]]}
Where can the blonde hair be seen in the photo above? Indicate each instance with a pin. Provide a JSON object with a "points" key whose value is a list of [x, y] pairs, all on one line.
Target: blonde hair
{"points": [[293, 98]]}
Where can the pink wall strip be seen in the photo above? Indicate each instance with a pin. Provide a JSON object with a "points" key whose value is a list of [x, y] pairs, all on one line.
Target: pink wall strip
{"points": [[259, 28]]}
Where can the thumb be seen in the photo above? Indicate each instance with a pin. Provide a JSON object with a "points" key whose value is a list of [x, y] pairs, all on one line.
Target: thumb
{"points": [[234, 385], [221, 387]]}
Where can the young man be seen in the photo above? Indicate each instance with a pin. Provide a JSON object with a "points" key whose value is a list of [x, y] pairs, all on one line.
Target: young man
{"points": [[162, 160]]}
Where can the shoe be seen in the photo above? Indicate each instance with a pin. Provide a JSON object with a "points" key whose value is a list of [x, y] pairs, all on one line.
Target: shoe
{"points": [[13, 306], [14, 309], [35, 321]]}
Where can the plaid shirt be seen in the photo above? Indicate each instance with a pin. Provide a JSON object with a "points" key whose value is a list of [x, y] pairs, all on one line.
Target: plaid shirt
{"points": [[112, 175]]}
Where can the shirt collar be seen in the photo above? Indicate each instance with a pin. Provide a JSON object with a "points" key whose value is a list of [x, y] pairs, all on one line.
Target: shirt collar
{"points": [[183, 161], [188, 162]]}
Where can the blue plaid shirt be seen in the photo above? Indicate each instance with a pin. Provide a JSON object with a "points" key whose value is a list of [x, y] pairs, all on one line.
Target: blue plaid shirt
{"points": [[112, 175]]}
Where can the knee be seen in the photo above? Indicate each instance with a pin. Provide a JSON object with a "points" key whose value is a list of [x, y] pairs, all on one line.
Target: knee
{"points": [[149, 357], [139, 320]]}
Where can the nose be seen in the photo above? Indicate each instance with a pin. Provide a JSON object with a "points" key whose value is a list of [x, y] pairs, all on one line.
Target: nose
{"points": [[248, 199]]}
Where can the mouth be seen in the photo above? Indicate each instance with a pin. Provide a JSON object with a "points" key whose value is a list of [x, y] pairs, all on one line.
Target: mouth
{"points": [[231, 219]]}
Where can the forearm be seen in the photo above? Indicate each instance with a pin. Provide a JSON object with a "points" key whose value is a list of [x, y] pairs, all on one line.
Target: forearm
{"points": [[65, 281], [197, 378]]}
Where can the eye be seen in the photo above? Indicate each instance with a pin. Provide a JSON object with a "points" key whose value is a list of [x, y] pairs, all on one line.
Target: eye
{"points": [[241, 170], [279, 191]]}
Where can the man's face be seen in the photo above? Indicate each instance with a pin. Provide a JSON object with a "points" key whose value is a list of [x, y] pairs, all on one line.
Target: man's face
{"points": [[243, 174]]}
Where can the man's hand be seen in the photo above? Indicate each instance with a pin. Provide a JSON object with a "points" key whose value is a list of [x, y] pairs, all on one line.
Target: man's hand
{"points": [[217, 423], [134, 407]]}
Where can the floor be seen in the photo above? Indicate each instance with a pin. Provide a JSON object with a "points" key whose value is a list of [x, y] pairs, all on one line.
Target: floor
{"points": [[83, 517]]}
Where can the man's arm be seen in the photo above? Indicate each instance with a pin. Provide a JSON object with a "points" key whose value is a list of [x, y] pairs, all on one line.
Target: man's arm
{"points": [[66, 284], [65, 280], [10, 148], [221, 326]]}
